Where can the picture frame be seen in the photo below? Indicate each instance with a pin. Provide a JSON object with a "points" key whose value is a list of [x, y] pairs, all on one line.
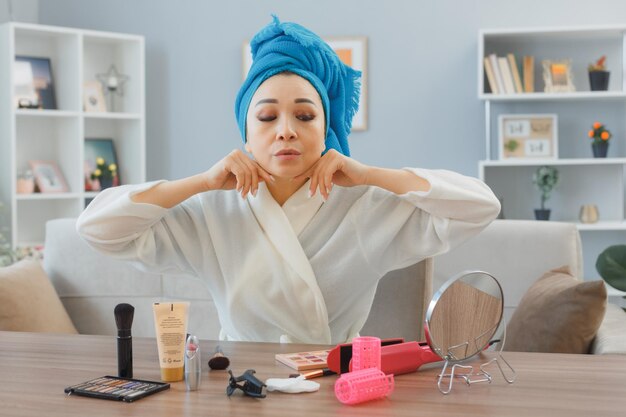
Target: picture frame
{"points": [[33, 83], [93, 97], [48, 177], [557, 76], [353, 52], [528, 136], [94, 148]]}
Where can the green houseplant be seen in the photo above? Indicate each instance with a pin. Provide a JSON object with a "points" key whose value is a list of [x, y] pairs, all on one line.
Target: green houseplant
{"points": [[545, 178], [611, 265]]}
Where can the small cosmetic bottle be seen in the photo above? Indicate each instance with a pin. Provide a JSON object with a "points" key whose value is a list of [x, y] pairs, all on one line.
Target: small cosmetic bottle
{"points": [[193, 364]]}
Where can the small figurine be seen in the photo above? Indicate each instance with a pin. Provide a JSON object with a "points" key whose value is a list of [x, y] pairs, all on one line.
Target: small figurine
{"points": [[252, 386]]}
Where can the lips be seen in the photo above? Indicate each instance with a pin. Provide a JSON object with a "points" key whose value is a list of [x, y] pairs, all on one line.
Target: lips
{"points": [[286, 152]]}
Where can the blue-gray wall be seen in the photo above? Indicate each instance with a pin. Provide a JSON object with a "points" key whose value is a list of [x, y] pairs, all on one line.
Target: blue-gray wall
{"points": [[423, 106]]}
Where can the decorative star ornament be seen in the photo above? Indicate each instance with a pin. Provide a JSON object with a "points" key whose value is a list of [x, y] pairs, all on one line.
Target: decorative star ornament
{"points": [[112, 81]]}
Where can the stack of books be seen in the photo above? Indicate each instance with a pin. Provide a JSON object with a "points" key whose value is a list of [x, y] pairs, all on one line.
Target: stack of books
{"points": [[506, 77]]}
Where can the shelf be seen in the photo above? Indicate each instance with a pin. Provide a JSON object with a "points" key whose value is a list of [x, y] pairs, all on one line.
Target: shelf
{"points": [[601, 226], [58, 135], [49, 196], [45, 113], [575, 96], [113, 115], [566, 162]]}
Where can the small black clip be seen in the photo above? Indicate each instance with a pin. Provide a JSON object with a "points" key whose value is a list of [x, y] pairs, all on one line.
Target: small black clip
{"points": [[251, 386]]}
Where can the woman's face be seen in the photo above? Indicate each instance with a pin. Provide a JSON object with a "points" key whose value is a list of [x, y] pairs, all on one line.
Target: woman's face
{"points": [[285, 125]]}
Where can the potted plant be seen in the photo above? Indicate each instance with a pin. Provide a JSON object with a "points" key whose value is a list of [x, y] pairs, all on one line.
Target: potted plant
{"points": [[600, 136], [611, 265], [598, 75], [545, 178], [105, 174]]}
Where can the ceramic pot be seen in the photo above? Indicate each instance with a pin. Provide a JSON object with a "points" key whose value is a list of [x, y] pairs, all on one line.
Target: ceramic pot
{"points": [[105, 183], [600, 149], [542, 214], [599, 80]]}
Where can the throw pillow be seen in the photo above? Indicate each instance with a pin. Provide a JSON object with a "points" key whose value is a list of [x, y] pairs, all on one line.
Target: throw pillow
{"points": [[28, 301], [559, 314]]}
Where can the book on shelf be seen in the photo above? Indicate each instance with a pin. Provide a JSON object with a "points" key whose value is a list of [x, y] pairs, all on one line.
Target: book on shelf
{"points": [[491, 78], [528, 73], [515, 72], [509, 87], [496, 73]]}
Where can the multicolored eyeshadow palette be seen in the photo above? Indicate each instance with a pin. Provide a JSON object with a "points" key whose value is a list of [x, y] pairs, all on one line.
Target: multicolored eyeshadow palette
{"points": [[116, 388], [304, 361]]}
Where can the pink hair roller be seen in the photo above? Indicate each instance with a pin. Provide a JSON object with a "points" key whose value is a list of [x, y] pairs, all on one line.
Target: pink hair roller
{"points": [[363, 385], [365, 353]]}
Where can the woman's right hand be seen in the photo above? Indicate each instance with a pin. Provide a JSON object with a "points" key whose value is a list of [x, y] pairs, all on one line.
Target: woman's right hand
{"points": [[236, 171]]}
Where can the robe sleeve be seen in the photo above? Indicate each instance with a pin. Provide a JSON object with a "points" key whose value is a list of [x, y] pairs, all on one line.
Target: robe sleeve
{"points": [[159, 240], [394, 231]]}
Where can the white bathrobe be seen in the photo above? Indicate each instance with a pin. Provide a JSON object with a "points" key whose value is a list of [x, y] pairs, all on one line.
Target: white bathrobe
{"points": [[304, 272]]}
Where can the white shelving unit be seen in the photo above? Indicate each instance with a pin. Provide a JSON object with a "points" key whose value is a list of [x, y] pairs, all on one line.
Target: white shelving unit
{"points": [[583, 179], [58, 135]]}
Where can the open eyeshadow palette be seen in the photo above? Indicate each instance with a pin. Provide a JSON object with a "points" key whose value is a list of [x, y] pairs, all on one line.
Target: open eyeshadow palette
{"points": [[304, 361], [116, 388]]}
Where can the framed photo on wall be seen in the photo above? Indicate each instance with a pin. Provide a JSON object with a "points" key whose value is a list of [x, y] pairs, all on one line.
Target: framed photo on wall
{"points": [[48, 177], [33, 83], [528, 136], [353, 52]]}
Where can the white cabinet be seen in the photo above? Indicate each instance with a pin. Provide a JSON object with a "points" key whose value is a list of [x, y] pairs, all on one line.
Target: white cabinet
{"points": [[58, 135], [583, 179]]}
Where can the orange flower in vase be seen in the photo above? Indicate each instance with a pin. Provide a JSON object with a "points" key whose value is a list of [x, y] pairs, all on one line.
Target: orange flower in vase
{"points": [[600, 136]]}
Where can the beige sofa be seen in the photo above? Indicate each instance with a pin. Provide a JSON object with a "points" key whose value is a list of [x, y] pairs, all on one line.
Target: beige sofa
{"points": [[515, 252]]}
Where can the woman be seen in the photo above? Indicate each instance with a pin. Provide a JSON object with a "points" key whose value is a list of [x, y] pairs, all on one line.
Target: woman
{"points": [[291, 241]]}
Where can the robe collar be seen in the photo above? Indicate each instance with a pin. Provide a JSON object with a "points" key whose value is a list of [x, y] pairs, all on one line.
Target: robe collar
{"points": [[282, 225]]}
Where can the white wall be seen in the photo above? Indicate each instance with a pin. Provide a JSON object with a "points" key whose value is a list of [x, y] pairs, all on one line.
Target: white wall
{"points": [[423, 106], [23, 11]]}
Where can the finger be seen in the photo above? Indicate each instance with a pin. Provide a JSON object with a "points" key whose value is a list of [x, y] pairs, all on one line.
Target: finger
{"points": [[322, 175], [254, 176]]}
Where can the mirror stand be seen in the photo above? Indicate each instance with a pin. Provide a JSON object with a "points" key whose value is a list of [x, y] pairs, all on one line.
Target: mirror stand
{"points": [[471, 377]]}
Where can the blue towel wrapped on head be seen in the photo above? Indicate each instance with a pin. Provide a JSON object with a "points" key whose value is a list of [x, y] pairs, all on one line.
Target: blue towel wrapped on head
{"points": [[281, 47]]}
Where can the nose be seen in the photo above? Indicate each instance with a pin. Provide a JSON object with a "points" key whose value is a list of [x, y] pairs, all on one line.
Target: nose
{"points": [[284, 130]]}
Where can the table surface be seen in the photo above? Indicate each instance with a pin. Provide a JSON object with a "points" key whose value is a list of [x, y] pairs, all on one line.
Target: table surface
{"points": [[35, 368]]}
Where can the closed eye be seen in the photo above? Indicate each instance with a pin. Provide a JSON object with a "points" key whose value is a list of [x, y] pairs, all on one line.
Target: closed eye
{"points": [[306, 117]]}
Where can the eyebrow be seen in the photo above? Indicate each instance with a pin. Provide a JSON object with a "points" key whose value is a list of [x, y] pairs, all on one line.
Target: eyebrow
{"points": [[275, 101]]}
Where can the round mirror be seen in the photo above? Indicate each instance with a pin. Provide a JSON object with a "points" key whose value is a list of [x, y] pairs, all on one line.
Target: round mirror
{"points": [[464, 315]]}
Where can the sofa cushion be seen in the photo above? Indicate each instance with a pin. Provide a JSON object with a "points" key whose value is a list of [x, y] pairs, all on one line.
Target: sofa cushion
{"points": [[558, 313], [28, 301]]}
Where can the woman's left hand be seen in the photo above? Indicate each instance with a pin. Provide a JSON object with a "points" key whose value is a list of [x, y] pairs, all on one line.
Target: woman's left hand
{"points": [[334, 168]]}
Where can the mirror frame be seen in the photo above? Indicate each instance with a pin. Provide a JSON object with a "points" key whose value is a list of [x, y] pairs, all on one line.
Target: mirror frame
{"points": [[435, 300]]}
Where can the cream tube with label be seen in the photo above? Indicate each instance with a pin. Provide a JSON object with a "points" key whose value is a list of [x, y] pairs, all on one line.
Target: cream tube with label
{"points": [[170, 321]]}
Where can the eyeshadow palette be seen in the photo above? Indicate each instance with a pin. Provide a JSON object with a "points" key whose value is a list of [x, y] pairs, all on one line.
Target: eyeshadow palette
{"points": [[304, 361], [116, 388]]}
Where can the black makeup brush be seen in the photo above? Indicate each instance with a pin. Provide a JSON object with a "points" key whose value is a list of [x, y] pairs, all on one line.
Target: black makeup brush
{"points": [[124, 319], [219, 361]]}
